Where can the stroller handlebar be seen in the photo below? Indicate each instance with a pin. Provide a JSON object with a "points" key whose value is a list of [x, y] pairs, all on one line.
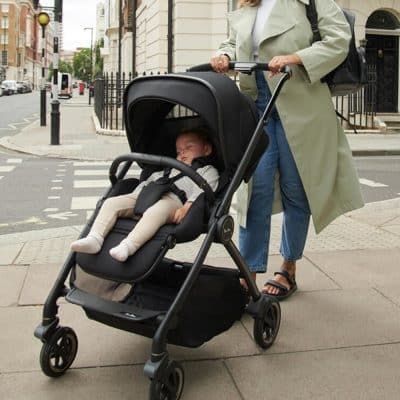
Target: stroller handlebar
{"points": [[164, 162], [245, 67]]}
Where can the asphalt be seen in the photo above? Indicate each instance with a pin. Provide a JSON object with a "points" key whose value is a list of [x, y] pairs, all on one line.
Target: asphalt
{"points": [[339, 336]]}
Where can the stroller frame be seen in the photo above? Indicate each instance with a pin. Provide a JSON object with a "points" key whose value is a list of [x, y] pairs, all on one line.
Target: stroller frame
{"points": [[167, 375]]}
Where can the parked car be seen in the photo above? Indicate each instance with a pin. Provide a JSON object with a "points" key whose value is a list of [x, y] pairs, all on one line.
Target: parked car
{"points": [[24, 87], [9, 87]]}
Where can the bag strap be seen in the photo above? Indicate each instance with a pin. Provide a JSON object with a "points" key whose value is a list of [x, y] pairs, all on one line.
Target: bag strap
{"points": [[312, 16], [340, 115]]}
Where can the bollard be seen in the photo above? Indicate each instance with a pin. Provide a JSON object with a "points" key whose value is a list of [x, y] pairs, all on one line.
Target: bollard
{"points": [[55, 122], [43, 107]]}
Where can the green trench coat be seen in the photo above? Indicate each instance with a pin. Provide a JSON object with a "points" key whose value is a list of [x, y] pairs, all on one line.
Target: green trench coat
{"points": [[305, 106]]}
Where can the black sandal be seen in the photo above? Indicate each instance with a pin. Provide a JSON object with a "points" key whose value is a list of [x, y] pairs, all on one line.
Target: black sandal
{"points": [[284, 292]]}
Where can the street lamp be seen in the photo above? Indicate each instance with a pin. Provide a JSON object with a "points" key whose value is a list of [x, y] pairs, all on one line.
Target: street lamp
{"points": [[43, 20], [91, 60]]}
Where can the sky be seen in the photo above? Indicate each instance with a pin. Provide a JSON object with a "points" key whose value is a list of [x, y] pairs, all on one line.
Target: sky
{"points": [[77, 14]]}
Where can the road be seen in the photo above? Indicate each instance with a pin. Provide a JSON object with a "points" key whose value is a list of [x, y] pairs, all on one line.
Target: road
{"points": [[39, 193], [17, 111]]}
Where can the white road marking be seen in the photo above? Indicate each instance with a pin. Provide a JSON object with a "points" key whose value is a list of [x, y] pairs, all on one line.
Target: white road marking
{"points": [[60, 175], [84, 172], [1, 177], [53, 197], [84, 203], [91, 184], [62, 215], [7, 169], [14, 160], [61, 170], [370, 183], [56, 188], [51, 209], [56, 180], [89, 163]]}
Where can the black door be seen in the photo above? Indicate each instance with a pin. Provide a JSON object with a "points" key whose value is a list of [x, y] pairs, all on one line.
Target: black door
{"points": [[383, 51]]}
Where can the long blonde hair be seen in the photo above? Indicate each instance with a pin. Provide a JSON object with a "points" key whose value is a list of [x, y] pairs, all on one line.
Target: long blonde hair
{"points": [[251, 3]]}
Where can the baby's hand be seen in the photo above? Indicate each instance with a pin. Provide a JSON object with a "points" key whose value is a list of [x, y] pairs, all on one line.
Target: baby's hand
{"points": [[180, 213]]}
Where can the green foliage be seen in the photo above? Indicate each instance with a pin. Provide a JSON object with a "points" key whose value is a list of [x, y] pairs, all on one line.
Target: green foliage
{"points": [[63, 66], [82, 65]]}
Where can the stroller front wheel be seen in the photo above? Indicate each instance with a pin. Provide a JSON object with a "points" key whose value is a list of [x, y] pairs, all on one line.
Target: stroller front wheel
{"points": [[171, 387], [59, 352], [266, 325]]}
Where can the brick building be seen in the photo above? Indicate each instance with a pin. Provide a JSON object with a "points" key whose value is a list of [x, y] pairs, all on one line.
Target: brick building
{"points": [[20, 42]]}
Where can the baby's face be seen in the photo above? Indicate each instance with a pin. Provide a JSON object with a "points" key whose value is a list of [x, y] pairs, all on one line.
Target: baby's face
{"points": [[189, 146]]}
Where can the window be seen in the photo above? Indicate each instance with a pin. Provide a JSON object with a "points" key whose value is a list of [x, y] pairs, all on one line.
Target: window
{"points": [[4, 22], [4, 57], [4, 38]]}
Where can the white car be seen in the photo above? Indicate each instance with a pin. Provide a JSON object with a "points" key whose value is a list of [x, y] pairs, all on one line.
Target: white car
{"points": [[9, 87]]}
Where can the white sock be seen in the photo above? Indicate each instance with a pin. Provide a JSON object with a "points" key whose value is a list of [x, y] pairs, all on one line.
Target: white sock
{"points": [[122, 251], [91, 244]]}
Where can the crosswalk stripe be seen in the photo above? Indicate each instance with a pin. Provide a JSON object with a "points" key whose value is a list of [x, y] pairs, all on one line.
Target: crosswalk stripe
{"points": [[14, 160], [79, 184], [7, 168], [90, 163], [85, 172], [84, 202], [368, 182]]}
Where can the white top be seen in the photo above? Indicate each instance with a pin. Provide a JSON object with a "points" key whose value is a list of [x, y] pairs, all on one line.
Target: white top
{"points": [[263, 12], [192, 191]]}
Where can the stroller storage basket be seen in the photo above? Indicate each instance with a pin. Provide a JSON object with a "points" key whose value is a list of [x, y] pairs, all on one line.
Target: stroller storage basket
{"points": [[216, 301]]}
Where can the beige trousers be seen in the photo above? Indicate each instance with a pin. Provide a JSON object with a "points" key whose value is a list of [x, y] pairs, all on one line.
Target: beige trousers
{"points": [[152, 220]]}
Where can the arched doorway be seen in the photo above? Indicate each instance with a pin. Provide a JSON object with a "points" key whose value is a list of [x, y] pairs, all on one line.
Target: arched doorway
{"points": [[382, 50]]}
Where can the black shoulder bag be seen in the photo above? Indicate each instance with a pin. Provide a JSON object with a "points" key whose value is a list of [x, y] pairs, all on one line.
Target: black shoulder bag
{"points": [[351, 74]]}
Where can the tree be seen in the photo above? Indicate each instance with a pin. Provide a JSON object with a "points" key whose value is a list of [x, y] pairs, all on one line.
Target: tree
{"points": [[81, 64], [63, 66]]}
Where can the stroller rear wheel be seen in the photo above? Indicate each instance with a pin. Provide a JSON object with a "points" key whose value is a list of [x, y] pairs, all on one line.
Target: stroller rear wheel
{"points": [[58, 353], [266, 325], [171, 387]]}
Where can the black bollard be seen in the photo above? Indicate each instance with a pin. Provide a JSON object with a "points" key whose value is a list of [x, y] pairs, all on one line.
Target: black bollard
{"points": [[43, 107], [55, 122]]}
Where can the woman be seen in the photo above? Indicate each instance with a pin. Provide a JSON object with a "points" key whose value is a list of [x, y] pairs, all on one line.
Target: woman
{"points": [[307, 168]]}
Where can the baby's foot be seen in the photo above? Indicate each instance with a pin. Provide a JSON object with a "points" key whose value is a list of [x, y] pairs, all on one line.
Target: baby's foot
{"points": [[91, 244], [120, 252]]}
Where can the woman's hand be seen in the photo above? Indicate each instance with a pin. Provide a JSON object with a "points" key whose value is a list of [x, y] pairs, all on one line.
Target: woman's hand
{"points": [[180, 213], [278, 62], [220, 63]]}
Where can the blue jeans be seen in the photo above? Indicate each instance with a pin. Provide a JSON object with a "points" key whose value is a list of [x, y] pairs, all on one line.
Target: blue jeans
{"points": [[254, 239]]}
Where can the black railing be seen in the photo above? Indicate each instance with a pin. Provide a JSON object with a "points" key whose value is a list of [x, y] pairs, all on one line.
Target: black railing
{"points": [[360, 108], [108, 97]]}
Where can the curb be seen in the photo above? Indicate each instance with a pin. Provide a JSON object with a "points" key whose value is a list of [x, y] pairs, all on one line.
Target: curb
{"points": [[105, 132]]}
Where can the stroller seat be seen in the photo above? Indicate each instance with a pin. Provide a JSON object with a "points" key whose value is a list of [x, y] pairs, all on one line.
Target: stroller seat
{"points": [[142, 263]]}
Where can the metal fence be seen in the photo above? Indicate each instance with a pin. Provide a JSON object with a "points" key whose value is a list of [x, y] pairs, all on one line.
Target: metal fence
{"points": [[358, 108]]}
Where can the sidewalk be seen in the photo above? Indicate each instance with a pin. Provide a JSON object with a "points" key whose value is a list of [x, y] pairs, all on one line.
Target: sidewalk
{"points": [[339, 336]]}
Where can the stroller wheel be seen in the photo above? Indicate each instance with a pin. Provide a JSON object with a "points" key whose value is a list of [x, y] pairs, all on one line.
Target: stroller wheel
{"points": [[171, 387], [266, 325], [58, 353]]}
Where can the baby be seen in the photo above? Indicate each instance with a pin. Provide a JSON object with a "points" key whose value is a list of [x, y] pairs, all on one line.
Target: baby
{"points": [[190, 144]]}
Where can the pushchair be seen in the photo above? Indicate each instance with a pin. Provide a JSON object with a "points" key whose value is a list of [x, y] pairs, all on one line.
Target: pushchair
{"points": [[167, 300]]}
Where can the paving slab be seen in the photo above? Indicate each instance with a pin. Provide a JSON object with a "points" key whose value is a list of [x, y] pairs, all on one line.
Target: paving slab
{"points": [[9, 253], [335, 319], [366, 373], [39, 280], [360, 268], [100, 345], [203, 380], [11, 282], [391, 291]]}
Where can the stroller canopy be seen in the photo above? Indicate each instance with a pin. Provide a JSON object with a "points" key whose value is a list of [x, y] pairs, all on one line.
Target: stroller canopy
{"points": [[157, 108]]}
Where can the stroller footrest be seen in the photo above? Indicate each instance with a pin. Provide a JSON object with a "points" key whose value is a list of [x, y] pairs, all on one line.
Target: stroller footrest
{"points": [[91, 302]]}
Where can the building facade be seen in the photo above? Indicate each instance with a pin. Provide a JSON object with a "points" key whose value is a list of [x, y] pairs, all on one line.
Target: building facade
{"points": [[161, 35], [20, 42]]}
